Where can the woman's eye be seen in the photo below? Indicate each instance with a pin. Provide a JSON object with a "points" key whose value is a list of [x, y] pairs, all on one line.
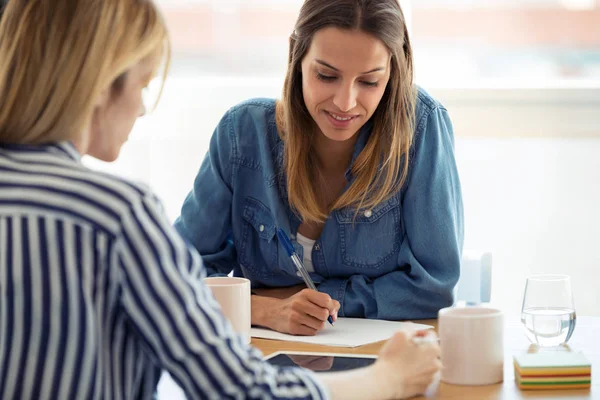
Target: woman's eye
{"points": [[329, 78], [370, 84], [326, 78]]}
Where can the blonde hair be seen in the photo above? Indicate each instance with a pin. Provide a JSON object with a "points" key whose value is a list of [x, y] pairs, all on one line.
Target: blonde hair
{"points": [[382, 166], [57, 56]]}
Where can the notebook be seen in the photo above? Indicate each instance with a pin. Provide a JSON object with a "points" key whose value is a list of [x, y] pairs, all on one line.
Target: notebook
{"points": [[347, 332]]}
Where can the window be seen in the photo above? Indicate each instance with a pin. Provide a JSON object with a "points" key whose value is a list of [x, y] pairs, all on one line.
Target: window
{"points": [[520, 43], [529, 42]]}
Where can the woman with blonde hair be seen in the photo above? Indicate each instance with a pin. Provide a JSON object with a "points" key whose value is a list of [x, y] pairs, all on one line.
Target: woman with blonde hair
{"points": [[98, 292], [355, 164]]}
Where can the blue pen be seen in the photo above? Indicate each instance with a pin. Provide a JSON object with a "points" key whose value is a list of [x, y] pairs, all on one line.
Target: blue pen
{"points": [[289, 248]]}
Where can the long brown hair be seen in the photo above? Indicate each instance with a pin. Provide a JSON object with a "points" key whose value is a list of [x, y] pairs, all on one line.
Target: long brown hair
{"points": [[382, 166], [56, 57]]}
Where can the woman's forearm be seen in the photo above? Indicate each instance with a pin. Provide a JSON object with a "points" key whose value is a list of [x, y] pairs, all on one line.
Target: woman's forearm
{"points": [[261, 308]]}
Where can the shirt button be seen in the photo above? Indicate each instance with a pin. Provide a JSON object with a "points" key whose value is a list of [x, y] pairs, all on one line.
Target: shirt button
{"points": [[317, 247], [368, 213], [299, 274], [261, 228]]}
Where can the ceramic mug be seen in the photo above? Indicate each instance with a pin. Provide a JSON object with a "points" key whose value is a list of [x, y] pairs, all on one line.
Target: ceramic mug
{"points": [[472, 344], [233, 295]]}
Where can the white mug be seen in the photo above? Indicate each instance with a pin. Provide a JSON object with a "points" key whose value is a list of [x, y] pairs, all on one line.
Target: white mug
{"points": [[472, 344], [233, 295]]}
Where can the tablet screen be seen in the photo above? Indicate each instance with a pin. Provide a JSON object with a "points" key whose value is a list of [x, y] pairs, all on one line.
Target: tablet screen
{"points": [[321, 361]]}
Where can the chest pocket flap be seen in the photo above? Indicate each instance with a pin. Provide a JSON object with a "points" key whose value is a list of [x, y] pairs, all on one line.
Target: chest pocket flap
{"points": [[348, 215], [260, 218]]}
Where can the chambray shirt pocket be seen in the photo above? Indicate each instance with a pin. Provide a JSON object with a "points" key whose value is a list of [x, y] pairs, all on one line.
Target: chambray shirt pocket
{"points": [[372, 238], [258, 247]]}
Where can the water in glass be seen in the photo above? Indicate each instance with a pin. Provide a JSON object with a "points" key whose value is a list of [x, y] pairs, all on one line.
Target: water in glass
{"points": [[548, 311], [549, 327]]}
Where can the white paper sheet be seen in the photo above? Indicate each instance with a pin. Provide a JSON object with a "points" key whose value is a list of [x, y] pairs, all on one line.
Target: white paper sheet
{"points": [[347, 332]]}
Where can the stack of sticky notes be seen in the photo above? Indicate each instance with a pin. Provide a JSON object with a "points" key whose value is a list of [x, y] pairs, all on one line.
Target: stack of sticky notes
{"points": [[552, 370]]}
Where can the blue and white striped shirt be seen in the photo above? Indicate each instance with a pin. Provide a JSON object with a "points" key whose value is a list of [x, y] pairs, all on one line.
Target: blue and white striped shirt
{"points": [[99, 294]]}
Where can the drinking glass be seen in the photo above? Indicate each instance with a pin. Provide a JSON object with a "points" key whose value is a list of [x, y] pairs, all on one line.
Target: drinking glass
{"points": [[548, 312]]}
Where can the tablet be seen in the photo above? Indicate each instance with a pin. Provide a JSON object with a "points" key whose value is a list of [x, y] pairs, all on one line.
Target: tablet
{"points": [[320, 362]]}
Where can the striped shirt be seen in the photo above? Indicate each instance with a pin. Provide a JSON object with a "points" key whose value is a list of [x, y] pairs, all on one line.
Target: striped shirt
{"points": [[99, 294]]}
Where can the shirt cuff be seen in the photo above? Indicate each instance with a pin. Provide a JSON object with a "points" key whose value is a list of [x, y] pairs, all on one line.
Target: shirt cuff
{"points": [[336, 289]]}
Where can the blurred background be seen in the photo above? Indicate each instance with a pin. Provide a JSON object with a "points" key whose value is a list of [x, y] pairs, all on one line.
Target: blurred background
{"points": [[521, 79]]}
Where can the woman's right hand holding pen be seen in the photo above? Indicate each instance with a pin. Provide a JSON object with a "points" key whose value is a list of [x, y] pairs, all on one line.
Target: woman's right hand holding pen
{"points": [[302, 312]]}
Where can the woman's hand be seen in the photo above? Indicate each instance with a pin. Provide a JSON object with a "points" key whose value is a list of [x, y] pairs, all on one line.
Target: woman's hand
{"points": [[304, 313], [409, 363]]}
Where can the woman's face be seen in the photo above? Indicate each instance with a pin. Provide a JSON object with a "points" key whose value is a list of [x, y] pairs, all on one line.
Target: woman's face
{"points": [[344, 76], [117, 111]]}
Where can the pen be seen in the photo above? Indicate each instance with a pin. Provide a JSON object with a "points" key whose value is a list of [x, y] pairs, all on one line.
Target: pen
{"points": [[289, 248]]}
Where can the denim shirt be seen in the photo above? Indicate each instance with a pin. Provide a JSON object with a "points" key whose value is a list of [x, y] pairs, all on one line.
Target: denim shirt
{"points": [[398, 260]]}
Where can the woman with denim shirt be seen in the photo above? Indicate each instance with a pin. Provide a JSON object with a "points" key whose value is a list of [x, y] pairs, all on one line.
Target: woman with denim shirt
{"points": [[355, 163]]}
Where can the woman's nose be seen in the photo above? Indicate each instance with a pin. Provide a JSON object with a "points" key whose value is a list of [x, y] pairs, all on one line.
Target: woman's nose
{"points": [[345, 98]]}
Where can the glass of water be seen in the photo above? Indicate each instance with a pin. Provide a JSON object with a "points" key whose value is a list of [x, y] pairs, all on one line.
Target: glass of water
{"points": [[548, 311]]}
